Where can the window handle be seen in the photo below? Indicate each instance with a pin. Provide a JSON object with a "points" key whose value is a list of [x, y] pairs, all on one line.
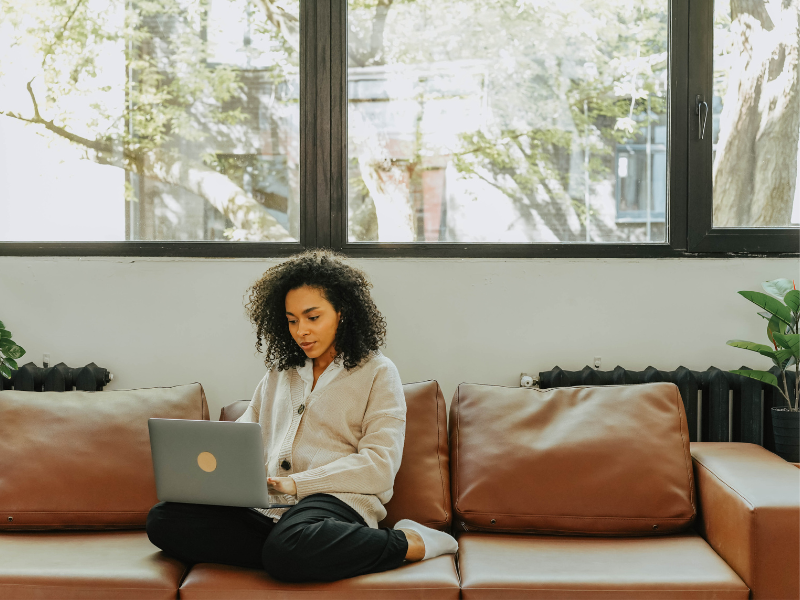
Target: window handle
{"points": [[701, 120]]}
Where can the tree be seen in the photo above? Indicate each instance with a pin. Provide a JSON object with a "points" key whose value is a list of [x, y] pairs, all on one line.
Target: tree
{"points": [[755, 167], [561, 79], [177, 107]]}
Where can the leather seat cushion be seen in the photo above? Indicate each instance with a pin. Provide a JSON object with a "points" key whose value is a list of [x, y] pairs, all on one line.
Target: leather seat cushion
{"points": [[100, 565], [82, 460], [605, 460], [422, 485], [514, 566], [432, 579]]}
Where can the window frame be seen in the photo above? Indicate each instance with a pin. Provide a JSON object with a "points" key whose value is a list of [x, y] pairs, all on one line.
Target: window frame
{"points": [[323, 169], [702, 235]]}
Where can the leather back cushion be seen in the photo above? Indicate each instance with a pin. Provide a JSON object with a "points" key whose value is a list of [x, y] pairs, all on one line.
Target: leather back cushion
{"points": [[606, 460], [81, 460], [422, 485]]}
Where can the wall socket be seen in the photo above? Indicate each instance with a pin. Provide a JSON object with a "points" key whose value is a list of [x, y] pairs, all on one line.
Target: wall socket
{"points": [[597, 360]]}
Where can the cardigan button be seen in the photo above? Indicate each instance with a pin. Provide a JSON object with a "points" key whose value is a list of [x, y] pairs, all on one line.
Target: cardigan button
{"points": [[285, 465], [301, 409]]}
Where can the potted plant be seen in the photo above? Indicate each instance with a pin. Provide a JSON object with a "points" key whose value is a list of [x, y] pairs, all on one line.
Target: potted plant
{"points": [[9, 353], [782, 330]]}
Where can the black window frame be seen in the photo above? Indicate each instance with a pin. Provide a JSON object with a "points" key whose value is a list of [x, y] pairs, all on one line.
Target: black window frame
{"points": [[323, 169]]}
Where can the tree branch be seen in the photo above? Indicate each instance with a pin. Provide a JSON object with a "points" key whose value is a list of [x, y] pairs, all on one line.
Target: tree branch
{"points": [[251, 220], [285, 22], [97, 146], [72, 14], [36, 115]]}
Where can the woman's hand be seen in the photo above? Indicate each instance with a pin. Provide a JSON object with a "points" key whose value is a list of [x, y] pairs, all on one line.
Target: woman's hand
{"points": [[284, 485]]}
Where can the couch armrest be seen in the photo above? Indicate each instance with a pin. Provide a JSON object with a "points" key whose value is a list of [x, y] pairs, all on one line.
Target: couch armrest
{"points": [[234, 410], [750, 514]]}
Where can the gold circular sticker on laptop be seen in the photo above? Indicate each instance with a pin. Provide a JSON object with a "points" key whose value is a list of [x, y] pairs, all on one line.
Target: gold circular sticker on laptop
{"points": [[207, 461]]}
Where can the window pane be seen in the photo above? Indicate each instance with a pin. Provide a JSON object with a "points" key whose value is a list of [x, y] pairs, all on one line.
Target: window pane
{"points": [[149, 120], [507, 120], [756, 114]]}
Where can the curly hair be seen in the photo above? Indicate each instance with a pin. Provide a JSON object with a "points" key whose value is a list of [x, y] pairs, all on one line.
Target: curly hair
{"points": [[362, 329]]}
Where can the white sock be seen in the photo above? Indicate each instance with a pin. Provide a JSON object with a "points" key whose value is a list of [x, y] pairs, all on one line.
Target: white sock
{"points": [[436, 542]]}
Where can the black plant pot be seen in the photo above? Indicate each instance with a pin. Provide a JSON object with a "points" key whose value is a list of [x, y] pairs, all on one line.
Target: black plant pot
{"points": [[786, 429]]}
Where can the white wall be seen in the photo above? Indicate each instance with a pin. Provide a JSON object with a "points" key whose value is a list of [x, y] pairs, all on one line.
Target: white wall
{"points": [[162, 322]]}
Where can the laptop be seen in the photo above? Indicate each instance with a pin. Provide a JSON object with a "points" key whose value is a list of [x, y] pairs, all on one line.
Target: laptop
{"points": [[209, 462]]}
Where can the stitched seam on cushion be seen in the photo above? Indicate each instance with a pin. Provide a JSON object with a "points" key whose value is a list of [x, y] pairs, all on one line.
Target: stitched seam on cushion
{"points": [[686, 459], [82, 587], [439, 458], [593, 590], [322, 592], [472, 512], [82, 512], [569, 532], [723, 482]]}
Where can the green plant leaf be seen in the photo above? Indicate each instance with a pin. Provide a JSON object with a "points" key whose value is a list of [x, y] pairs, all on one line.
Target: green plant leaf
{"points": [[774, 326], [752, 346], [792, 300], [2, 326], [5, 333], [4, 371], [782, 358], [777, 287], [790, 342], [14, 351], [776, 307], [763, 376], [10, 363], [765, 315]]}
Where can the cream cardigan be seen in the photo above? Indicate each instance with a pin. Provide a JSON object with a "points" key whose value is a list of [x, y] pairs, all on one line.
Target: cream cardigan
{"points": [[345, 439]]}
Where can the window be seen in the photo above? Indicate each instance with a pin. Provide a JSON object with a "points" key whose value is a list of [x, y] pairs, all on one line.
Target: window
{"points": [[506, 121], [496, 128], [167, 120], [743, 148]]}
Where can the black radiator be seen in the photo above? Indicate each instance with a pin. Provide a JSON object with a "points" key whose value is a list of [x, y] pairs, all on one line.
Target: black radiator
{"points": [[728, 407], [59, 378]]}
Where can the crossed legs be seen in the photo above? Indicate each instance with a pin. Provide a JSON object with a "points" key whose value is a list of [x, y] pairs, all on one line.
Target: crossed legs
{"points": [[319, 539]]}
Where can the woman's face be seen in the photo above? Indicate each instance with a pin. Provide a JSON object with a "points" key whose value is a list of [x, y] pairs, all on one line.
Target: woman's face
{"points": [[312, 321]]}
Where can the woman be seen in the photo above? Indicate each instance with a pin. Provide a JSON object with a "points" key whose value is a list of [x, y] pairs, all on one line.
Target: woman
{"points": [[332, 413]]}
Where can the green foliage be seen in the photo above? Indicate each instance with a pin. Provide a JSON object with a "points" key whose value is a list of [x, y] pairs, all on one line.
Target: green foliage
{"points": [[173, 93], [771, 305], [790, 342], [774, 326], [561, 79], [10, 352], [792, 300], [763, 376], [782, 331], [752, 346], [777, 287]]}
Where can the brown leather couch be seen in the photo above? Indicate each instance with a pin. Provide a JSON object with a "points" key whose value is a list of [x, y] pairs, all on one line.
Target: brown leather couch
{"points": [[76, 483]]}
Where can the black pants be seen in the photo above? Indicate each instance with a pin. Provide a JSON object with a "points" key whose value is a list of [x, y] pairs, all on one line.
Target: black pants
{"points": [[319, 539]]}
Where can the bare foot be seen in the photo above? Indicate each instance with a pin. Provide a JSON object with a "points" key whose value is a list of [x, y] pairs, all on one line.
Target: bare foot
{"points": [[416, 547]]}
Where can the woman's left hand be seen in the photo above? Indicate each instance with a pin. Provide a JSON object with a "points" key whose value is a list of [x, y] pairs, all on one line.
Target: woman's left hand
{"points": [[284, 485]]}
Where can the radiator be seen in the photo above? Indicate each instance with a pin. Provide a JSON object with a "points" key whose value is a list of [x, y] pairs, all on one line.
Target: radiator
{"points": [[720, 406], [59, 378]]}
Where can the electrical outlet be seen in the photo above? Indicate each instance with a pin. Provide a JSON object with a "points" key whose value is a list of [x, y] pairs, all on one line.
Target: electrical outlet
{"points": [[597, 360]]}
